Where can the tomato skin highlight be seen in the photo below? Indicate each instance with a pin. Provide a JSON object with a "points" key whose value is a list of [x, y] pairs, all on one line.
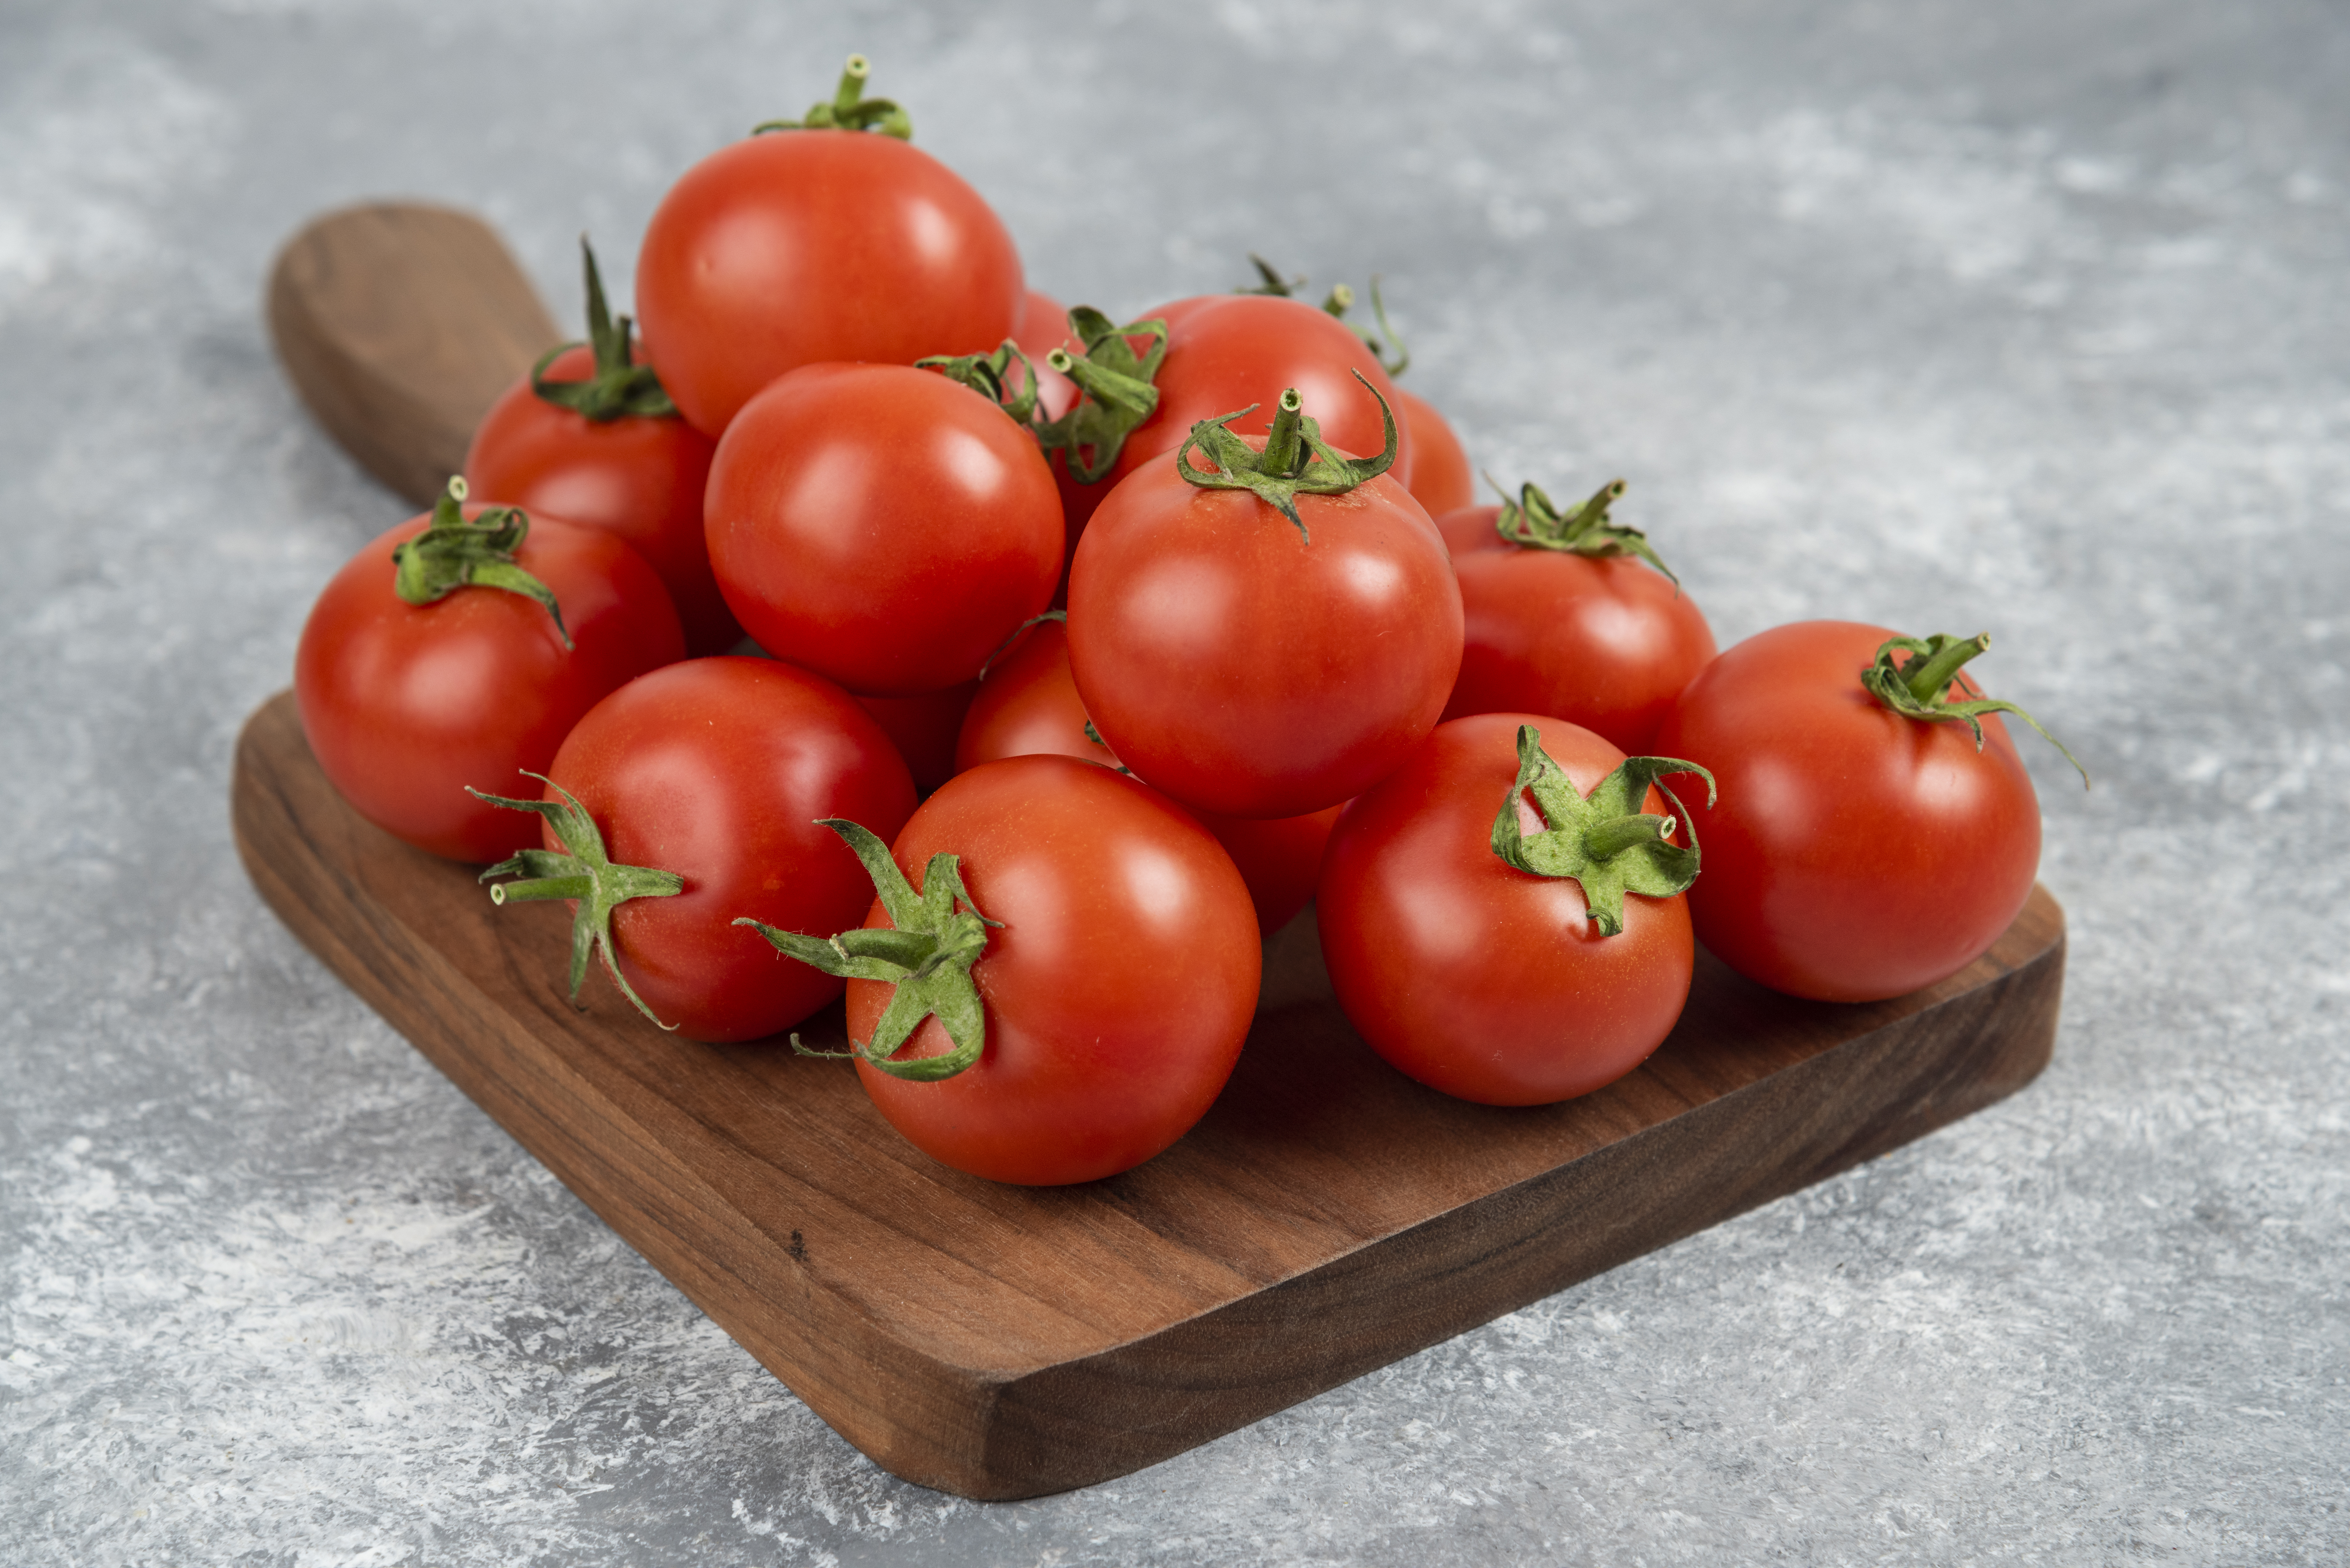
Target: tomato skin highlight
{"points": [[637, 477], [1855, 854], [798, 247], [1442, 479], [881, 525], [1606, 641], [1245, 670], [717, 769], [1029, 705], [1117, 992], [406, 705], [1475, 978]]}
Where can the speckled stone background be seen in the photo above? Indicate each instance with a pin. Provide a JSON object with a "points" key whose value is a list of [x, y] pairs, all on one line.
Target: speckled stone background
{"points": [[1954, 315]]}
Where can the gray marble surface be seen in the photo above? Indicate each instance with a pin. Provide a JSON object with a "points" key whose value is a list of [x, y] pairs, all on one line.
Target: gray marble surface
{"points": [[1960, 314]]}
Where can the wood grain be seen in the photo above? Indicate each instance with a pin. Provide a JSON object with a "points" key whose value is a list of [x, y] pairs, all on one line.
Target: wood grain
{"points": [[400, 324], [1327, 1216]]}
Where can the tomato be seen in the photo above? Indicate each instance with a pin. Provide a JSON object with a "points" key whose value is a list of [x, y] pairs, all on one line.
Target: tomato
{"points": [[924, 728], [407, 704], [1028, 704], [1246, 666], [1117, 991], [1226, 351], [1855, 853], [881, 525], [1442, 479], [1470, 974], [800, 247], [637, 477], [1469, 529], [717, 771]]}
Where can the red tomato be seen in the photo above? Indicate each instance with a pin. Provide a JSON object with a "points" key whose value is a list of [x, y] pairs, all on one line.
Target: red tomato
{"points": [[1607, 641], [1118, 990], [881, 525], [1855, 853], [1477, 979], [923, 728], [1029, 705], [798, 247], [1469, 529], [407, 704], [1442, 479], [639, 478], [1225, 351], [718, 770], [1244, 668]]}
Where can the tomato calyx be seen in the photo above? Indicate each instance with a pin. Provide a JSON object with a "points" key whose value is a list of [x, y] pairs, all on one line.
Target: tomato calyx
{"points": [[849, 109], [939, 933], [1286, 467], [1118, 386], [454, 553], [1534, 522], [620, 386], [1920, 688], [1337, 302], [587, 874], [989, 375], [1603, 841]]}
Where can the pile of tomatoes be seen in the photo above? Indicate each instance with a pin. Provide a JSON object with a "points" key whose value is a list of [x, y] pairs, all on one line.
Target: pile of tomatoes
{"points": [[861, 619]]}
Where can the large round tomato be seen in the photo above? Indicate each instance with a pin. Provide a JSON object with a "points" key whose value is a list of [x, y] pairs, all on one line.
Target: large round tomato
{"points": [[405, 705], [1605, 640], [1118, 989], [1247, 668], [1225, 351], [1475, 977], [1855, 853], [796, 247], [639, 477], [1442, 479], [718, 770], [1029, 705], [881, 525]]}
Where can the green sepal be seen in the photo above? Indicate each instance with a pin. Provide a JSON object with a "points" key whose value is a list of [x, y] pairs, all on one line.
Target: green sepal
{"points": [[939, 933], [1921, 688], [1534, 522], [1117, 388], [990, 376], [452, 553], [621, 386], [1337, 302], [849, 109], [1286, 468], [587, 874], [1602, 840]]}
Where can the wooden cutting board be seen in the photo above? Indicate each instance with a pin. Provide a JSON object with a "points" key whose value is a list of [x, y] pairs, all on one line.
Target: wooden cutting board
{"points": [[1327, 1216]]}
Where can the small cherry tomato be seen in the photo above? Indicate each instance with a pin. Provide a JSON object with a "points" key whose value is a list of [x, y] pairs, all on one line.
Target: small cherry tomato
{"points": [[1442, 479], [716, 771], [1249, 663], [799, 246], [1029, 705], [1857, 852], [405, 703], [881, 525], [1573, 624], [1478, 977], [1116, 974]]}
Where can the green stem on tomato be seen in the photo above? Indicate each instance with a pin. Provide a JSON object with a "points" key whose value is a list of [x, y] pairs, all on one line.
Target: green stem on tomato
{"points": [[1295, 460], [1603, 841], [454, 552], [849, 109], [618, 385], [926, 953], [1919, 688], [586, 873]]}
